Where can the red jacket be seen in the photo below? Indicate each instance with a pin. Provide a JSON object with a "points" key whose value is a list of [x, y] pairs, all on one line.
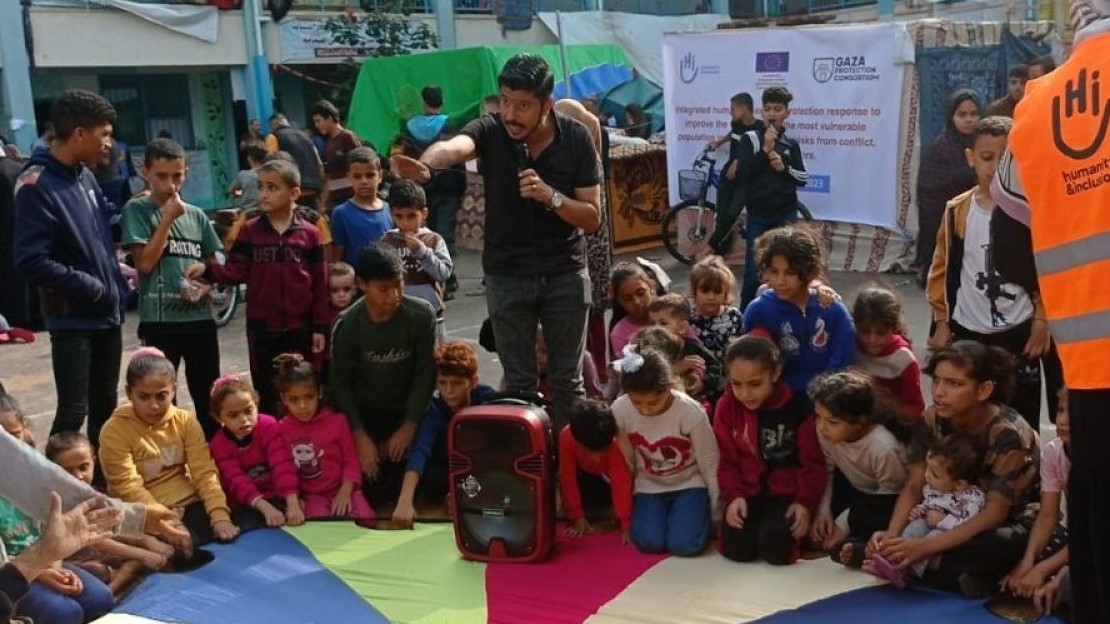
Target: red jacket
{"points": [[262, 468], [286, 275], [895, 370], [743, 471], [612, 465]]}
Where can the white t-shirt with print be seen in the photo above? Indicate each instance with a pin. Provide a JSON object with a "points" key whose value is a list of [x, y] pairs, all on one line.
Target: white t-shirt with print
{"points": [[985, 302]]}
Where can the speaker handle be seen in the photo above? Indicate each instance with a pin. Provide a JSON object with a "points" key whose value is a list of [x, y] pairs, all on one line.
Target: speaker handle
{"points": [[517, 397]]}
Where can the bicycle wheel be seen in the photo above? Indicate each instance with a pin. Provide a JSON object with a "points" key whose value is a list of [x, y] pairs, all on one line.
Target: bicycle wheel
{"points": [[687, 228], [223, 301]]}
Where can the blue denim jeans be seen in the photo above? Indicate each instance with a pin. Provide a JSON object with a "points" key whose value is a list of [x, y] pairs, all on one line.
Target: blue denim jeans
{"points": [[759, 224], [558, 303], [43, 604], [674, 522], [86, 376]]}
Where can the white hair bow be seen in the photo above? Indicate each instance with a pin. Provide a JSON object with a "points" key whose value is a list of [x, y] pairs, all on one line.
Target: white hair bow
{"points": [[630, 362]]}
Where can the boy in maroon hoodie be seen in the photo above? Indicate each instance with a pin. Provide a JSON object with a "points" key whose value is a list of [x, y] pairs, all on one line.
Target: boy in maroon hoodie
{"points": [[772, 472], [280, 257]]}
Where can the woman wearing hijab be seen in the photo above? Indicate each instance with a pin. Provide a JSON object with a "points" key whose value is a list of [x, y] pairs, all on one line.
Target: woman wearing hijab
{"points": [[944, 174]]}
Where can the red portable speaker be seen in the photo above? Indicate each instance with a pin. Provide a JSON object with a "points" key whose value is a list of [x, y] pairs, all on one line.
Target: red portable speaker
{"points": [[502, 482]]}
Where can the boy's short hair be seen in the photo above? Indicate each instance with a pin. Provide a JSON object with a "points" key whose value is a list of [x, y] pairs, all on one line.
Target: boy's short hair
{"points": [[777, 95], [667, 343], [592, 424], [743, 99], [162, 149], [65, 441], [280, 117], [364, 155], [1046, 62], [78, 108], [280, 155], [407, 194], [797, 245], [672, 303], [432, 96], [287, 170], [492, 99], [1020, 71], [340, 269], [256, 151], [378, 262], [993, 126], [325, 109], [456, 359]]}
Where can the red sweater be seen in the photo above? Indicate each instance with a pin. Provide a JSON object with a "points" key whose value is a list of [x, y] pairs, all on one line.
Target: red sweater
{"points": [[285, 274], [263, 468], [323, 451], [895, 370], [788, 443], [611, 465]]}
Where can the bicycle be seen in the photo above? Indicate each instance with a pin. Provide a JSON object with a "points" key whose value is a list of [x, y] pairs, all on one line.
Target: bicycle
{"points": [[688, 225], [224, 300]]}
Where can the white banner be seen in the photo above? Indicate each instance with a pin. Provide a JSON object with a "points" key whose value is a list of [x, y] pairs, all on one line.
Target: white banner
{"points": [[306, 40], [847, 87]]}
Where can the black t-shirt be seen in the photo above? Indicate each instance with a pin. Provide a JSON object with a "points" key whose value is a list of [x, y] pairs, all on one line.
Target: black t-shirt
{"points": [[523, 238], [302, 150]]}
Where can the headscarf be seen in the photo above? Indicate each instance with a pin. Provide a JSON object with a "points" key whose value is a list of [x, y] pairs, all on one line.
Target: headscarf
{"points": [[1089, 17], [944, 171]]}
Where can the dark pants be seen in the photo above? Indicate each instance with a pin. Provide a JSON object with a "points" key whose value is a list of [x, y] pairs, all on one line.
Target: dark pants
{"points": [[597, 342], [928, 223], [987, 557], [869, 513], [730, 203], [86, 377], [200, 351], [384, 490], [1027, 389], [196, 519], [766, 534], [264, 346], [1089, 505], [759, 222], [596, 493], [443, 218]]}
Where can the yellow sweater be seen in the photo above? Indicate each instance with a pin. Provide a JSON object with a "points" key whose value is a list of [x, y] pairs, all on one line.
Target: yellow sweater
{"points": [[165, 463]]}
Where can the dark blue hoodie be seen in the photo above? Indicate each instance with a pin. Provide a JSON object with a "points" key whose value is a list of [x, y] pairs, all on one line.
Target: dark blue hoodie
{"points": [[818, 340], [63, 245]]}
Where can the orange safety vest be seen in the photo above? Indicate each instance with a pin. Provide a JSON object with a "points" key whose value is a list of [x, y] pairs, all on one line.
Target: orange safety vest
{"points": [[1059, 141]]}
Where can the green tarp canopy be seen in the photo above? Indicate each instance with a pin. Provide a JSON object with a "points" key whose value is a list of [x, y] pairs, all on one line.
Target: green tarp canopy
{"points": [[388, 89]]}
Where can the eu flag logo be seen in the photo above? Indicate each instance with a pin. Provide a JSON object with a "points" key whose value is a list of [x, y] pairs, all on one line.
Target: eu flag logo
{"points": [[772, 62]]}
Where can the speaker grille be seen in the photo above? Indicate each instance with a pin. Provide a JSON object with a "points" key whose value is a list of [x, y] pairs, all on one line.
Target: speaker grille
{"points": [[531, 465], [459, 463]]}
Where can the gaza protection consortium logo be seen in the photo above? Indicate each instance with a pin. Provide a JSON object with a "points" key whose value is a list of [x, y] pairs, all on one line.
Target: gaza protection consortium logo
{"points": [[824, 68]]}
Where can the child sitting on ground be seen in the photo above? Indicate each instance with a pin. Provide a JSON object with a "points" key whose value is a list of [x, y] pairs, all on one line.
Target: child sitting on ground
{"points": [[593, 472], [852, 421], [672, 313], [152, 451], [812, 338], [319, 441], [715, 319], [1045, 562], [13, 421], [255, 465], [674, 454], [633, 291], [772, 472], [884, 352], [383, 369], [423, 252], [457, 386], [119, 561], [951, 498]]}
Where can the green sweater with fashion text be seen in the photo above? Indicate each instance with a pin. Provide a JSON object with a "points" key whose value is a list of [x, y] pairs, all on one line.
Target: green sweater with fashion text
{"points": [[384, 373]]}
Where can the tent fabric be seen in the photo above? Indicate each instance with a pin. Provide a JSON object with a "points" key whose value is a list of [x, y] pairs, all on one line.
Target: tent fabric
{"points": [[387, 90], [640, 90]]}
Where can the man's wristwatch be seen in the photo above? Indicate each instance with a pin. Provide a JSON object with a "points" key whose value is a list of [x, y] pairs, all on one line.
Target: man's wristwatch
{"points": [[556, 201]]}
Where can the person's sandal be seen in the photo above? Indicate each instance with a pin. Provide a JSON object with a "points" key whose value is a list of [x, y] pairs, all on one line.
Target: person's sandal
{"points": [[879, 566], [855, 560]]}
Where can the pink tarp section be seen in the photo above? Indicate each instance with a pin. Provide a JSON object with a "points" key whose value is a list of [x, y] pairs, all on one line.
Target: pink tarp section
{"points": [[582, 575]]}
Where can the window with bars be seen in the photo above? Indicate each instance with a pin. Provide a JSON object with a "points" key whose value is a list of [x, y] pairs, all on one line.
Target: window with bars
{"points": [[150, 105]]}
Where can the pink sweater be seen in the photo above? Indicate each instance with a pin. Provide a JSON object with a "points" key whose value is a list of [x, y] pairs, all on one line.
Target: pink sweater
{"points": [[323, 451], [261, 469]]}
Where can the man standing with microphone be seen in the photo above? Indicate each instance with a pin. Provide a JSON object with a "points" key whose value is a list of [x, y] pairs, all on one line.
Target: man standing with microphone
{"points": [[542, 191], [1060, 185]]}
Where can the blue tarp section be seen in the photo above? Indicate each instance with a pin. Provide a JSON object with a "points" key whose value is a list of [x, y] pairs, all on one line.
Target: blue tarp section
{"points": [[884, 605], [592, 80], [267, 576]]}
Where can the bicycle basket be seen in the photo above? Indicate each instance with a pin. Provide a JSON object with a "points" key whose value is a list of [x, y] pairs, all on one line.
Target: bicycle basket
{"points": [[690, 183]]}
